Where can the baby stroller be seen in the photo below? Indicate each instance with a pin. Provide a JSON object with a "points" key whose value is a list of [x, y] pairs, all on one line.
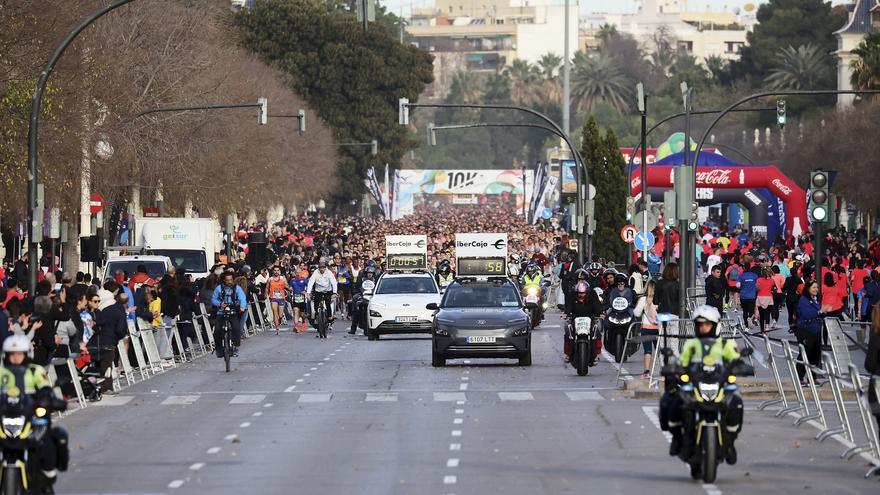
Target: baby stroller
{"points": [[89, 370]]}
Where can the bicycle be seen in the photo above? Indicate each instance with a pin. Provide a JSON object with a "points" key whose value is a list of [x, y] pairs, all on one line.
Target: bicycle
{"points": [[226, 315], [321, 323]]}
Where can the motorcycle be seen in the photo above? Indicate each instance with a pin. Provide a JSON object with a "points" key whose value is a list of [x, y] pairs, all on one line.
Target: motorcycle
{"points": [[24, 425], [583, 333], [363, 302], [617, 321], [535, 304], [706, 391]]}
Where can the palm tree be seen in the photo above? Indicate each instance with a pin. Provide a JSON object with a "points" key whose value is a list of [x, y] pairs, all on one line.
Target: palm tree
{"points": [[465, 87], [523, 77], [599, 79], [606, 33], [866, 68], [549, 64], [804, 67]]}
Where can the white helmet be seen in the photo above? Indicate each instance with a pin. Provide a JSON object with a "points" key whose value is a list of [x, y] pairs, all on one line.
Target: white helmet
{"points": [[706, 313], [16, 343]]}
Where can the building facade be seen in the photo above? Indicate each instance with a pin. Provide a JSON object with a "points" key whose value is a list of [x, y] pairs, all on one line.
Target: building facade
{"points": [[864, 18]]}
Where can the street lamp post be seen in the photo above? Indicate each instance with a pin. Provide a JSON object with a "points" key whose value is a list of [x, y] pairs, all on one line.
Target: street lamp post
{"points": [[583, 177], [219, 106], [33, 129]]}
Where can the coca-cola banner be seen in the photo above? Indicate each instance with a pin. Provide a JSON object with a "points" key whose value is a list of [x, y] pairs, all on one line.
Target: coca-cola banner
{"points": [[768, 177]]}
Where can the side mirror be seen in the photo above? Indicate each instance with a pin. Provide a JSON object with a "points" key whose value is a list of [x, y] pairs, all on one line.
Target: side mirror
{"points": [[432, 306]]}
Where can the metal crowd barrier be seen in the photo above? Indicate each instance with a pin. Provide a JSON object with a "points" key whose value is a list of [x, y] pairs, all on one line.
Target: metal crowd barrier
{"points": [[843, 379]]}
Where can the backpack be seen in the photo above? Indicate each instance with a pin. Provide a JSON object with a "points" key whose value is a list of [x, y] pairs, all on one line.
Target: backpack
{"points": [[734, 274]]}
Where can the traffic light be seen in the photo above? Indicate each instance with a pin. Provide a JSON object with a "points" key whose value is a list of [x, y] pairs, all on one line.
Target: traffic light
{"points": [[819, 198], [694, 217], [263, 113], [374, 147], [630, 208], [403, 111], [301, 115], [780, 113], [591, 216]]}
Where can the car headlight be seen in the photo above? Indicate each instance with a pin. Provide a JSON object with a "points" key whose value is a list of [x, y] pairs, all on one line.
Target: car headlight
{"points": [[375, 314], [439, 330], [521, 330]]}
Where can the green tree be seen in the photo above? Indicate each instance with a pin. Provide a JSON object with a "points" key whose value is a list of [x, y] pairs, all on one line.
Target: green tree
{"points": [[523, 78], [596, 79], [804, 67], [351, 77], [549, 64], [607, 173], [866, 68], [789, 23]]}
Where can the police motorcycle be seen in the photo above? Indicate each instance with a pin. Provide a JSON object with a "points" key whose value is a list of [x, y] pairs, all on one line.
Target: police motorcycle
{"points": [[706, 390], [534, 296], [583, 333], [618, 318]]}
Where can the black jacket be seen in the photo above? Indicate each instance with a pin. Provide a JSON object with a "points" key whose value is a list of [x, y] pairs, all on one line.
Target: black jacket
{"points": [[872, 357], [111, 325], [715, 291], [666, 295]]}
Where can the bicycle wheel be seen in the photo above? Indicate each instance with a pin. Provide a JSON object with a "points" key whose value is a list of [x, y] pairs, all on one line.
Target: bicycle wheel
{"points": [[227, 344], [322, 323]]}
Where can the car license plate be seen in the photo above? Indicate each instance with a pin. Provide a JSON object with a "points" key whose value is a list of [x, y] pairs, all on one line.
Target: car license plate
{"points": [[479, 339], [406, 319]]}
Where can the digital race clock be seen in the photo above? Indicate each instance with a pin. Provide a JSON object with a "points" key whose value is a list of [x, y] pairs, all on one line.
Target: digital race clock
{"points": [[406, 262], [488, 266]]}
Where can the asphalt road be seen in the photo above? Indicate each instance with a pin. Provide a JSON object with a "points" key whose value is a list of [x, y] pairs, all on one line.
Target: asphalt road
{"points": [[349, 416]]}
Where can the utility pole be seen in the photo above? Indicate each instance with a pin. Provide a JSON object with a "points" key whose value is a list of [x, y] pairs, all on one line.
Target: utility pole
{"points": [[686, 191], [566, 74], [646, 198]]}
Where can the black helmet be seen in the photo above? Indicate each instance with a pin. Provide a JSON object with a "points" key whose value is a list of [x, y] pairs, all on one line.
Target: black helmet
{"points": [[370, 269], [582, 275], [444, 266], [619, 279], [595, 267]]}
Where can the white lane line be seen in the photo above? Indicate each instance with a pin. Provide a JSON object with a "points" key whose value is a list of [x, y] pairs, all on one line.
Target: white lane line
{"points": [[290, 389], [244, 425], [320, 364], [449, 479], [463, 386], [454, 446], [176, 484], [623, 371], [109, 400], [300, 380], [268, 404], [314, 398], [459, 411], [212, 450], [381, 397], [307, 374], [584, 396], [313, 369], [709, 488], [465, 378], [232, 436], [257, 414], [457, 421], [453, 462], [247, 399], [332, 354], [196, 466], [513, 396], [325, 359], [456, 433], [459, 402], [449, 396], [180, 400]]}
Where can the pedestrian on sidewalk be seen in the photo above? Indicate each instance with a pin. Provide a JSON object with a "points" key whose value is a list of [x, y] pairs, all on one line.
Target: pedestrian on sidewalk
{"points": [[765, 292], [647, 309], [810, 313], [748, 295], [872, 365], [715, 289]]}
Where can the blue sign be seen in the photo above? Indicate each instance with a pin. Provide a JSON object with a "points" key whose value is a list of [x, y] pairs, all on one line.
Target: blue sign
{"points": [[547, 214], [641, 240]]}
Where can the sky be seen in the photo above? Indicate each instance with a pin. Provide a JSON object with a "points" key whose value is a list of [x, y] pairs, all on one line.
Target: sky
{"points": [[590, 6]]}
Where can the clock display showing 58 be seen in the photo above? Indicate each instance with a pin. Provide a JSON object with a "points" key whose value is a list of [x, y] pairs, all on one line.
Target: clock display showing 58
{"points": [[481, 266]]}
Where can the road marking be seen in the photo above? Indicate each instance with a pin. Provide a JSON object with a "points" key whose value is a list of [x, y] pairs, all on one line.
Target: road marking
{"points": [[467, 361], [509, 396], [230, 437], [268, 404], [454, 446], [453, 462], [463, 386], [332, 354], [257, 414], [447, 480], [176, 484], [247, 399], [325, 359], [196, 466], [109, 400], [180, 400], [709, 488], [584, 396], [623, 372], [320, 364], [213, 450], [307, 374], [314, 397], [459, 411], [449, 396], [457, 421], [300, 380], [459, 402], [465, 378], [244, 425], [456, 433], [290, 388], [313, 369], [381, 397]]}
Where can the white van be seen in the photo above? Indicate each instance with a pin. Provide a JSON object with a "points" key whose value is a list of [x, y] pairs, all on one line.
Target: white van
{"points": [[156, 265], [191, 243]]}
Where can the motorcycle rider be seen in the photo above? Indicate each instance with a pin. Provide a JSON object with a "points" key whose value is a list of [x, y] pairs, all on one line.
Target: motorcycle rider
{"points": [[594, 275], [357, 306], [513, 266], [619, 289], [445, 275], [19, 374], [532, 278], [707, 343], [583, 303]]}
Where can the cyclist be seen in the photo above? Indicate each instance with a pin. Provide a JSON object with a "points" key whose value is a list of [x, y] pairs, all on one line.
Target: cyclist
{"points": [[276, 292], [322, 288], [298, 284], [228, 294]]}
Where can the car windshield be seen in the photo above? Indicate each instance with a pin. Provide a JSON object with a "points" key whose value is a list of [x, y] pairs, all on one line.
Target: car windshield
{"points": [[155, 269], [406, 285], [190, 261], [481, 296]]}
